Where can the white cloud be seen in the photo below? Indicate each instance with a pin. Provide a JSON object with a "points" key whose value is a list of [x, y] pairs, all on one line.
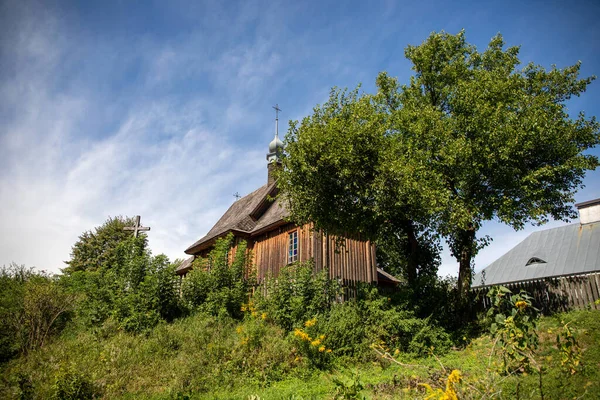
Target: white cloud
{"points": [[161, 159]]}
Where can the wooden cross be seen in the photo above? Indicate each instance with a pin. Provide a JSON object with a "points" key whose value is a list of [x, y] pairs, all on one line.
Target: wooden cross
{"points": [[237, 196], [137, 228]]}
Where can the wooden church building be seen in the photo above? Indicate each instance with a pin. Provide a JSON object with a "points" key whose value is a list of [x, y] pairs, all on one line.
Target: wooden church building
{"points": [[259, 218]]}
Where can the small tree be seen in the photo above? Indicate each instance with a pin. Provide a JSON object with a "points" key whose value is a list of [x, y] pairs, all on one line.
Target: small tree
{"points": [[98, 248]]}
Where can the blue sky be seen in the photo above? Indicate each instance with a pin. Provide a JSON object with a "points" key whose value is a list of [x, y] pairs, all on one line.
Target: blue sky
{"points": [[163, 109]]}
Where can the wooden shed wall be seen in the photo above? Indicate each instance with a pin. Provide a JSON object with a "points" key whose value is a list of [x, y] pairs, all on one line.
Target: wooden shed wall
{"points": [[555, 293]]}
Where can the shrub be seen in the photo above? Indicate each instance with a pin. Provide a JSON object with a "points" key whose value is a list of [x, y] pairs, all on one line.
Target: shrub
{"points": [[297, 295], [352, 327], [33, 307], [137, 290], [513, 323], [216, 285], [311, 345], [72, 385]]}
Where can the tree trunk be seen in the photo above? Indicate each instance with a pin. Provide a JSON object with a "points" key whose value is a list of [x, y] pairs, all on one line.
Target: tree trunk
{"points": [[413, 254], [466, 249]]}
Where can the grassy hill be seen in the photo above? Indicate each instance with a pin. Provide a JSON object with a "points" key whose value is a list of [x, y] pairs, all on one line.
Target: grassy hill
{"points": [[202, 356]]}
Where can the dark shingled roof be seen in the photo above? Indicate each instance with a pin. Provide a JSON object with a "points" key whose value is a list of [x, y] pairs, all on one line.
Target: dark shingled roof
{"points": [[567, 250], [186, 264], [249, 215]]}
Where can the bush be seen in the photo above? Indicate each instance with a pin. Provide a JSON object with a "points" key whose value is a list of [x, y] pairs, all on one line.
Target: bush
{"points": [[352, 327], [217, 286], [33, 308], [297, 295], [72, 385], [137, 290], [311, 345]]}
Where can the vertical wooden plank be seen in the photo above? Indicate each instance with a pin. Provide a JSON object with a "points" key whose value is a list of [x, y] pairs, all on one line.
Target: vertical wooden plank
{"points": [[317, 251], [574, 291], [589, 290], [593, 290], [372, 250], [348, 260], [359, 271], [596, 283], [364, 260], [353, 259]]}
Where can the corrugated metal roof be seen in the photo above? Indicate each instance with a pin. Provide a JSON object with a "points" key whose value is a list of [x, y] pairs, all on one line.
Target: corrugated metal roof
{"points": [[567, 250]]}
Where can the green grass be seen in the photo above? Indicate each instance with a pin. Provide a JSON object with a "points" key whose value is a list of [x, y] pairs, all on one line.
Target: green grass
{"points": [[202, 357]]}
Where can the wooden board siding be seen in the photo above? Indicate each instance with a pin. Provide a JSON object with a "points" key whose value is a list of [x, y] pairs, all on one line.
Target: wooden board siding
{"points": [[557, 293], [349, 259], [271, 249]]}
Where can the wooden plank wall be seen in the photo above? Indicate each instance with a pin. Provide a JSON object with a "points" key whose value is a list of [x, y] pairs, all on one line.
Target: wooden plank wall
{"points": [[556, 294], [349, 259], [271, 249]]}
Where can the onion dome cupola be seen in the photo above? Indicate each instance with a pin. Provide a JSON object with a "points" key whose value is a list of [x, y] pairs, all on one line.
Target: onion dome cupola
{"points": [[275, 150], [276, 145]]}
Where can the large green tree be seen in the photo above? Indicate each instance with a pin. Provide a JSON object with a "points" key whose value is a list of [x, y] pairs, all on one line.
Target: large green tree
{"points": [[339, 174], [472, 137]]}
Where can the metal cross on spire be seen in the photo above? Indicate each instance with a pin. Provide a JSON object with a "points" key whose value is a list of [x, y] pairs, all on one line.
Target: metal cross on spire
{"points": [[277, 110], [237, 196], [137, 227]]}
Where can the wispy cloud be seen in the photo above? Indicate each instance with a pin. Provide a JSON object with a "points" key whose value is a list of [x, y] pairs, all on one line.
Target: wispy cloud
{"points": [[115, 110], [160, 157]]}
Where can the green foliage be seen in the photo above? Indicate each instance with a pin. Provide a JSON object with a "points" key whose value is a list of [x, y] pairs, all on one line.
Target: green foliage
{"points": [[99, 248], [12, 296], [570, 350], [296, 295], [311, 345], [513, 323], [202, 356], [128, 286], [353, 327], [348, 389], [33, 308], [72, 385], [215, 284], [469, 139]]}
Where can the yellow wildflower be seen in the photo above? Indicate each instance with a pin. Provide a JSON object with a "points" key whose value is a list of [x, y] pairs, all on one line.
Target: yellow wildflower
{"points": [[315, 342], [310, 322], [322, 337], [264, 315], [396, 352], [301, 334], [521, 305], [453, 378], [239, 329], [322, 349], [328, 350]]}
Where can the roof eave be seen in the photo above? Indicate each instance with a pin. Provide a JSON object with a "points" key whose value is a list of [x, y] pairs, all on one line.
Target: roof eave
{"points": [[269, 227], [203, 245]]}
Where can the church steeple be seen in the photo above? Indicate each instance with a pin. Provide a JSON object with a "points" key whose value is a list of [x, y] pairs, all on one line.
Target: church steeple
{"points": [[275, 149]]}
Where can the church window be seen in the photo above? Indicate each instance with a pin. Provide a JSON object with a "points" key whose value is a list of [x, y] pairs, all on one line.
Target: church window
{"points": [[292, 247]]}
